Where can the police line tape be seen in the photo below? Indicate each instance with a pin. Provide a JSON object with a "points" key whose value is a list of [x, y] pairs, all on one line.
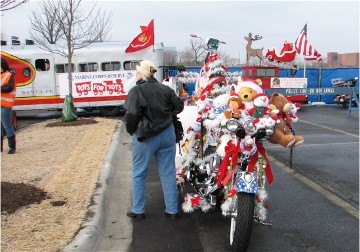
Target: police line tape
{"points": [[313, 91]]}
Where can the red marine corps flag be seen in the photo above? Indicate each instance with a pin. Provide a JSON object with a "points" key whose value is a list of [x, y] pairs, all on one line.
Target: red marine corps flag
{"points": [[303, 47], [145, 39]]}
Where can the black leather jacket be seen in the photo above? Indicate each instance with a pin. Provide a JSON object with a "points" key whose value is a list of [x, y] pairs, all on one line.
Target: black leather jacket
{"points": [[159, 105]]}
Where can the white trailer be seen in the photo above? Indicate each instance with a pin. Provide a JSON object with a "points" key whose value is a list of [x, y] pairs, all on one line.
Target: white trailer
{"points": [[102, 75]]}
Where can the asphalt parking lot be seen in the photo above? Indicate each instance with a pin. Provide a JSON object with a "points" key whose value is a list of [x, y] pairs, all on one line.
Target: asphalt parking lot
{"points": [[313, 206]]}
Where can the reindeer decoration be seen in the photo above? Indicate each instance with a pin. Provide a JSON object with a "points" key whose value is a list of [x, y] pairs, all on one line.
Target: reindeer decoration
{"points": [[250, 52]]}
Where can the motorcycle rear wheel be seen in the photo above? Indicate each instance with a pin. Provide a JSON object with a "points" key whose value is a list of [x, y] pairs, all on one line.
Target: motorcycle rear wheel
{"points": [[241, 226]]}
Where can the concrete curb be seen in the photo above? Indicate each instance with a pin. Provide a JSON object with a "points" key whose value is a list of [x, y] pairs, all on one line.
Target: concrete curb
{"points": [[95, 232]]}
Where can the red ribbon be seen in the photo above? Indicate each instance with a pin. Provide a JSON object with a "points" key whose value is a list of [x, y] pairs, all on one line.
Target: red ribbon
{"points": [[284, 117], [209, 87], [213, 57], [232, 193], [261, 150], [259, 201], [231, 151], [195, 201], [258, 198]]}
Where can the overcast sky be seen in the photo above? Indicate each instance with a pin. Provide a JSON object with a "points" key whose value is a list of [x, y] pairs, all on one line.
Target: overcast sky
{"points": [[333, 26]]}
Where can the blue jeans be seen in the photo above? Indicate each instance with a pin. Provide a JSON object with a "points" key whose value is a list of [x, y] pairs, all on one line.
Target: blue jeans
{"points": [[163, 146], [7, 127]]}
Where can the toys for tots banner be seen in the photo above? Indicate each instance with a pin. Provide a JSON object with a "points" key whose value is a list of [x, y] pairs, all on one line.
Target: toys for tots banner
{"points": [[89, 84]]}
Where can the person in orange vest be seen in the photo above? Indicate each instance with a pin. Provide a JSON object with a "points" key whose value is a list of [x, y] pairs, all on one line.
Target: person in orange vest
{"points": [[8, 93]]}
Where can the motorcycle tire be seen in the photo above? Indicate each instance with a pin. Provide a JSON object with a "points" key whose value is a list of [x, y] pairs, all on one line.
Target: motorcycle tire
{"points": [[345, 104], [241, 226]]}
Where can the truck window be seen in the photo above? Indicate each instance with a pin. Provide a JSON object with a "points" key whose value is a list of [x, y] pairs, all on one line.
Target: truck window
{"points": [[131, 65], [63, 68], [265, 72], [88, 67], [42, 65], [110, 66]]}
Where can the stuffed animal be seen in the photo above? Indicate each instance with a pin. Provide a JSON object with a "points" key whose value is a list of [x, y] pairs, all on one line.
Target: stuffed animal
{"points": [[262, 108], [220, 148], [283, 134], [294, 108], [260, 123], [203, 104], [247, 90], [248, 145], [220, 104], [247, 95], [234, 104]]}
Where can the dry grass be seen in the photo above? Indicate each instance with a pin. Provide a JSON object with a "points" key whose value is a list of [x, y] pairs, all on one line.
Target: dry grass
{"points": [[65, 162]]}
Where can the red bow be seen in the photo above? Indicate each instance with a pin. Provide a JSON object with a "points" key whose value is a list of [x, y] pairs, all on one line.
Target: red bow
{"points": [[209, 87], [232, 193], [261, 150], [284, 117], [195, 201], [202, 97], [213, 57], [231, 151], [259, 201]]}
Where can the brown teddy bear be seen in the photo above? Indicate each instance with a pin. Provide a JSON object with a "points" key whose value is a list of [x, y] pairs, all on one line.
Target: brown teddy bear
{"points": [[283, 134], [247, 95], [247, 90]]}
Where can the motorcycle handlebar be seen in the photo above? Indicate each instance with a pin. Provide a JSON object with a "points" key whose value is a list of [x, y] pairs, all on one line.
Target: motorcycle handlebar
{"points": [[259, 134]]}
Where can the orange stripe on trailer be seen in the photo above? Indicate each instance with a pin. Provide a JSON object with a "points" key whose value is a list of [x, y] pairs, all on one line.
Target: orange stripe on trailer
{"points": [[38, 100]]}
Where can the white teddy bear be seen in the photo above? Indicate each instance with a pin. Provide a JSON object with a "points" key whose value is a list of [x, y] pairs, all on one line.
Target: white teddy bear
{"points": [[294, 108]]}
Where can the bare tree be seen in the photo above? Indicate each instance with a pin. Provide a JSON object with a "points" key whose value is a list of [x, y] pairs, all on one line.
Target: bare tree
{"points": [[192, 55], [45, 28], [227, 60], [186, 57], [198, 50], [6, 5], [170, 58], [76, 28]]}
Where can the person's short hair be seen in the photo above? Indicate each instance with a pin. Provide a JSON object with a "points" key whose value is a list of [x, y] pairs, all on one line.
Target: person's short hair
{"points": [[146, 68], [4, 64]]}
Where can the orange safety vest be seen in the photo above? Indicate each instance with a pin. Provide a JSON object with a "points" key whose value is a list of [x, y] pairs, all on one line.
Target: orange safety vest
{"points": [[7, 99]]}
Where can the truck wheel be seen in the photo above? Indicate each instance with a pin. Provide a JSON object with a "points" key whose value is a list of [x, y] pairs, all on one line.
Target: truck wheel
{"points": [[110, 111]]}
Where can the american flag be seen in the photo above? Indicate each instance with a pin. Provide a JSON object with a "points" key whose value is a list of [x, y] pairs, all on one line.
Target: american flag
{"points": [[303, 47]]}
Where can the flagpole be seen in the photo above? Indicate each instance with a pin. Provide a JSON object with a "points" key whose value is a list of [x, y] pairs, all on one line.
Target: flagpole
{"points": [[305, 29]]}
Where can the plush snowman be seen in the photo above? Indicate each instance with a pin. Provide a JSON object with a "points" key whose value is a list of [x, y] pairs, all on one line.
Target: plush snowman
{"points": [[261, 106]]}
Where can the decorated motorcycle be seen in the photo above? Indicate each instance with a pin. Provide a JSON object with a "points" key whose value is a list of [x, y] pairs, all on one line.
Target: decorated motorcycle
{"points": [[223, 158], [344, 99]]}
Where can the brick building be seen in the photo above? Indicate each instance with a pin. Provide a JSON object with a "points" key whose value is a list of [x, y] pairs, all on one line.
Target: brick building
{"points": [[335, 59]]}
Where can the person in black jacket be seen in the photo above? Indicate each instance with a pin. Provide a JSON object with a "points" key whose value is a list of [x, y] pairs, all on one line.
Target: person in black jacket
{"points": [[150, 107]]}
